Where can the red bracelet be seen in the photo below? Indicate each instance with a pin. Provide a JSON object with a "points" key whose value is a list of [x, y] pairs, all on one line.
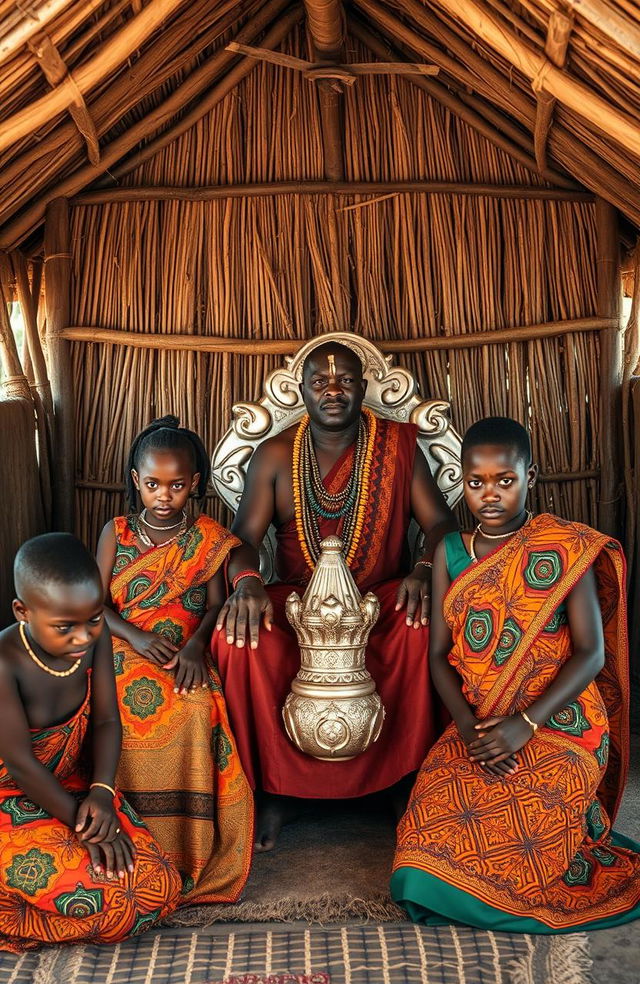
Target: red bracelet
{"points": [[242, 574]]}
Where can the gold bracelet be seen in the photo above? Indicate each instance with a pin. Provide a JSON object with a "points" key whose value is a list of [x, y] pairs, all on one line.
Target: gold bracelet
{"points": [[532, 724], [103, 785]]}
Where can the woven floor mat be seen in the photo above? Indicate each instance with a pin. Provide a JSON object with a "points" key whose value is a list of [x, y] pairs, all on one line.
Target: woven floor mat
{"points": [[365, 954]]}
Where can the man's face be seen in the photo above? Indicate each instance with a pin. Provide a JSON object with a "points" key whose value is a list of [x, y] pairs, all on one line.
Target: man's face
{"points": [[332, 387]]}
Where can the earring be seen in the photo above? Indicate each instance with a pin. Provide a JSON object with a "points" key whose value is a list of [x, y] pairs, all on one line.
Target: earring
{"points": [[530, 485]]}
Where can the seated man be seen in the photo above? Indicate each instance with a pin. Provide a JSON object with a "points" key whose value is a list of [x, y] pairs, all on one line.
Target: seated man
{"points": [[341, 470]]}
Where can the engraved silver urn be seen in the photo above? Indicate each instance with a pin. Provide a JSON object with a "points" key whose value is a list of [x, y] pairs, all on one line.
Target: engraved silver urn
{"points": [[333, 711]]}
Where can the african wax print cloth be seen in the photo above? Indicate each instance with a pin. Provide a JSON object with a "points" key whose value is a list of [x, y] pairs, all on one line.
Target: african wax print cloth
{"points": [[179, 766], [537, 844], [49, 891], [256, 682]]}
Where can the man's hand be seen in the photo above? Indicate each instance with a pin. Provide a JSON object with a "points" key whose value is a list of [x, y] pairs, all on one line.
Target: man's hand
{"points": [[243, 610], [470, 733], [415, 592], [189, 664], [497, 738], [154, 647]]}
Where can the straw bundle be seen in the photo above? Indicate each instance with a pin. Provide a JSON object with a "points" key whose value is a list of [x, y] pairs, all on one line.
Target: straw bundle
{"points": [[401, 267]]}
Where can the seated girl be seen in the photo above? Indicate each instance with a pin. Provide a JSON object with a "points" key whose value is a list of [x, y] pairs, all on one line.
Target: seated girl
{"points": [[76, 863], [509, 824], [163, 576]]}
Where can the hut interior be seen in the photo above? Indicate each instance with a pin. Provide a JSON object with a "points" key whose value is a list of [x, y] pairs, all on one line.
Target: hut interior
{"points": [[191, 188]]}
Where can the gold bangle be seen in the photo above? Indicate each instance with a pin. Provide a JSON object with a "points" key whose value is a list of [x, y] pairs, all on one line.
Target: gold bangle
{"points": [[532, 724], [103, 785]]}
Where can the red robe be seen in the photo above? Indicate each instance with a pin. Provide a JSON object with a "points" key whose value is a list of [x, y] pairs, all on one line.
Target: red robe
{"points": [[256, 682]]}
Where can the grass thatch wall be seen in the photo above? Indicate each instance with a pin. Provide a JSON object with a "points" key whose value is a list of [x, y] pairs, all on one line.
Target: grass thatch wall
{"points": [[290, 266]]}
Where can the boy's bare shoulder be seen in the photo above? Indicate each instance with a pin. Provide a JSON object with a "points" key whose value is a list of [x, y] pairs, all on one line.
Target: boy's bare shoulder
{"points": [[9, 650]]}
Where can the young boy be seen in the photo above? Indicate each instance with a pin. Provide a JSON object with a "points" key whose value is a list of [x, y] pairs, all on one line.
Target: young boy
{"points": [[75, 861], [508, 825]]}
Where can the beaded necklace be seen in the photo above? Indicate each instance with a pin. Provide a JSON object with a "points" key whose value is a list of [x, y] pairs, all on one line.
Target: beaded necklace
{"points": [[311, 498]]}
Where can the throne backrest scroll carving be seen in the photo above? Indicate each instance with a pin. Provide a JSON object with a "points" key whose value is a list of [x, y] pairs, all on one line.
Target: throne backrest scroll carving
{"points": [[391, 392]]}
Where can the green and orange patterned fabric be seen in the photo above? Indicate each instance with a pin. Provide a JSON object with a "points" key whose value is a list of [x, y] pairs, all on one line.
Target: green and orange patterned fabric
{"points": [[179, 766], [532, 851], [49, 892]]}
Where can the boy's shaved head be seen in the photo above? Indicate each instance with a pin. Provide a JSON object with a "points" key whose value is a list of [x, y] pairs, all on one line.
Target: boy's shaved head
{"points": [[499, 431], [52, 559]]}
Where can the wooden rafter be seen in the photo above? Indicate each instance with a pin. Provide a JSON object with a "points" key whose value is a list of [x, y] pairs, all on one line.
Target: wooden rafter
{"points": [[31, 23], [328, 70], [20, 227], [107, 60], [556, 48], [55, 71], [490, 123], [593, 171], [543, 74], [611, 22], [325, 20]]}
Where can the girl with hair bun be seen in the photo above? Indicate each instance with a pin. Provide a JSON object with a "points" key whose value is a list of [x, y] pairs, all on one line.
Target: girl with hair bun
{"points": [[163, 575]]}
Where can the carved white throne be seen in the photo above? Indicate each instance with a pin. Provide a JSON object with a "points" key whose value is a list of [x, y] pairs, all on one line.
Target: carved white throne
{"points": [[392, 392]]}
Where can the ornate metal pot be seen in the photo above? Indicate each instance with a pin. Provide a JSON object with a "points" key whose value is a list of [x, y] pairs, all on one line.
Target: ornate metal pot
{"points": [[333, 711]]}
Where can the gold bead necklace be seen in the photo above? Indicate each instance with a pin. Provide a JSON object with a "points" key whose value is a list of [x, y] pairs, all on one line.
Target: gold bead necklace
{"points": [[38, 661]]}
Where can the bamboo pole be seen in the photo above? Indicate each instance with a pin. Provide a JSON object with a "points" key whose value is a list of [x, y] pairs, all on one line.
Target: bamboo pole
{"points": [[35, 21], [325, 22], [30, 319], [268, 189], [611, 364], [14, 231], [240, 346], [545, 77], [57, 300], [15, 383], [87, 76]]}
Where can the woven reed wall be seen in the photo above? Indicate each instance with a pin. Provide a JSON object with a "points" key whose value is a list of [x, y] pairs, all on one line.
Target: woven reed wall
{"points": [[289, 267], [22, 516]]}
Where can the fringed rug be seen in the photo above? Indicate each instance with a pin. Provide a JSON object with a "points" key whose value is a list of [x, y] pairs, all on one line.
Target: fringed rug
{"points": [[383, 954], [326, 908]]}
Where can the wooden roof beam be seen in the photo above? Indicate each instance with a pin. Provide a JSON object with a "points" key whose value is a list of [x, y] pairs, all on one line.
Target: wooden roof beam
{"points": [[325, 22], [610, 22], [31, 23], [591, 170], [498, 130], [107, 59], [24, 223], [543, 74], [556, 48], [55, 71]]}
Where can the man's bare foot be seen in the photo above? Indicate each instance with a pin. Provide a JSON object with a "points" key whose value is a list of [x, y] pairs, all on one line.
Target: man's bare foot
{"points": [[274, 813]]}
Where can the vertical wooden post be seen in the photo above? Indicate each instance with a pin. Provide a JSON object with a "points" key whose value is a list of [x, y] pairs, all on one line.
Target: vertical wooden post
{"points": [[57, 301], [611, 365]]}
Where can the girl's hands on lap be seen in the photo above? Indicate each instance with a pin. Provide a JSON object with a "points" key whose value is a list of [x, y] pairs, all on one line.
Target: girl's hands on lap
{"points": [[115, 857], [190, 667], [497, 739], [96, 819], [473, 731], [154, 647]]}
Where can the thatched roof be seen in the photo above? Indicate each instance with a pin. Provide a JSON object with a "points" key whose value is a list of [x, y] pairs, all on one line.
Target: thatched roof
{"points": [[89, 89]]}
